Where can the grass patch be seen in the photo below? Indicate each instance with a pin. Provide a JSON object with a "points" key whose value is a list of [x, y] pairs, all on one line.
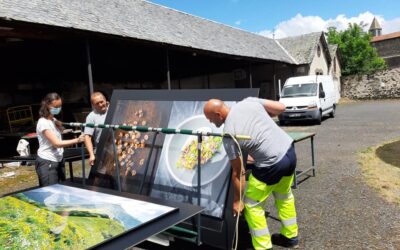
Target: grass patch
{"points": [[346, 100], [380, 168], [26, 177]]}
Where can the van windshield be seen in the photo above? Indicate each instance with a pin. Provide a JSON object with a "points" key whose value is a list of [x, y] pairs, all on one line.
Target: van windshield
{"points": [[296, 90]]}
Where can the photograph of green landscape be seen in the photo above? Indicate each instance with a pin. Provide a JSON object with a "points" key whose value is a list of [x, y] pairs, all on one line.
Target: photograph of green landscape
{"points": [[63, 217]]}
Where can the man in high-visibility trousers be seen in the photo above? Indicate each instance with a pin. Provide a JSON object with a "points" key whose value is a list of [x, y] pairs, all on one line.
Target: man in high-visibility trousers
{"points": [[275, 161]]}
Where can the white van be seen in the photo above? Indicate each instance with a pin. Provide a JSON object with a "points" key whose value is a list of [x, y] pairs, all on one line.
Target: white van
{"points": [[308, 98]]}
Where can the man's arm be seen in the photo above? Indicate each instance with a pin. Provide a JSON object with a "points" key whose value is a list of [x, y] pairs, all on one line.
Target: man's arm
{"points": [[88, 139], [274, 108], [239, 183], [89, 147]]}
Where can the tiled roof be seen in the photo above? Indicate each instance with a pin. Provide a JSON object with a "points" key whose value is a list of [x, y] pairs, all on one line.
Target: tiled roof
{"points": [[302, 47], [385, 37], [146, 21]]}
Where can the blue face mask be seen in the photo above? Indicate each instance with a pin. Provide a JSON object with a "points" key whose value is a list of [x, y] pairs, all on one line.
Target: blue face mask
{"points": [[55, 111]]}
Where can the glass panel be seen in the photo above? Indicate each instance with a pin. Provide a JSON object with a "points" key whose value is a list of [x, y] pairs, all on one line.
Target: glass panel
{"points": [[297, 90], [62, 217]]}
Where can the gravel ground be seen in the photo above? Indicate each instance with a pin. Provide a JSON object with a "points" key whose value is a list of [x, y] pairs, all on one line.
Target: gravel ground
{"points": [[336, 209]]}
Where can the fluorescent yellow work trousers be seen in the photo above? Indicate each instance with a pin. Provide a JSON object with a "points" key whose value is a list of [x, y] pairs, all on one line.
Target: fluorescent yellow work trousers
{"points": [[255, 197]]}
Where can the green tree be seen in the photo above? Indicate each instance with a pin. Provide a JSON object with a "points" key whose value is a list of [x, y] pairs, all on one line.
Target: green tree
{"points": [[358, 56]]}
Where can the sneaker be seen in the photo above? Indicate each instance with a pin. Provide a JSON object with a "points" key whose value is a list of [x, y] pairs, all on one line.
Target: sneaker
{"points": [[280, 240]]}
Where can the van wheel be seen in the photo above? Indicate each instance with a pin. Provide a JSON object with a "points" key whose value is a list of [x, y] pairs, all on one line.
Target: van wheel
{"points": [[332, 114], [319, 118]]}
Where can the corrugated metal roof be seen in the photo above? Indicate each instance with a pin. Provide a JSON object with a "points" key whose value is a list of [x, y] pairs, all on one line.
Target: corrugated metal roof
{"points": [[144, 20]]}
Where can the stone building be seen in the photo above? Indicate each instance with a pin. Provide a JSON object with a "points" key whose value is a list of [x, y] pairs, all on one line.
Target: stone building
{"points": [[335, 69], [387, 45], [314, 56], [383, 84], [375, 29], [74, 47]]}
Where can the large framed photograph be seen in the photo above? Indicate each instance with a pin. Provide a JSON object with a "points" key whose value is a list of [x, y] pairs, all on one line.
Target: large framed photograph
{"points": [[176, 176], [63, 217], [163, 166]]}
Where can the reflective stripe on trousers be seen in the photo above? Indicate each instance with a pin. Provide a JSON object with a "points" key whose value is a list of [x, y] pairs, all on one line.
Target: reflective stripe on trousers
{"points": [[256, 194], [259, 232]]}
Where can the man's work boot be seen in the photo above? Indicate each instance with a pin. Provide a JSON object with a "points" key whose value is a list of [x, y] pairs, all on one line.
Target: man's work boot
{"points": [[280, 240]]}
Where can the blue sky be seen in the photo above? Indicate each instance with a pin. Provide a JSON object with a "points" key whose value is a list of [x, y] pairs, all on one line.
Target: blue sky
{"points": [[291, 17]]}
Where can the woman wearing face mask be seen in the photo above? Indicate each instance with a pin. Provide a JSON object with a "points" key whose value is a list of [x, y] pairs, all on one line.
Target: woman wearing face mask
{"points": [[50, 166]]}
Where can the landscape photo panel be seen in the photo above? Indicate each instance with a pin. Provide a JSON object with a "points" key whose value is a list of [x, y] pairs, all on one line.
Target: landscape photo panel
{"points": [[63, 217]]}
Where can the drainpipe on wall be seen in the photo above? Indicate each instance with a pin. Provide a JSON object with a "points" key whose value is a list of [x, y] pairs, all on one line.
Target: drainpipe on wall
{"points": [[274, 80], [168, 72], [279, 85], [250, 76], [89, 68]]}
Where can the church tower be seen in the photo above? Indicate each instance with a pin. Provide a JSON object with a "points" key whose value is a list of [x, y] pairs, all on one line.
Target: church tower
{"points": [[375, 29]]}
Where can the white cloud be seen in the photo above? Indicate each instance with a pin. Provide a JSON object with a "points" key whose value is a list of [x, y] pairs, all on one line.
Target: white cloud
{"points": [[391, 26], [299, 24], [296, 26], [238, 22]]}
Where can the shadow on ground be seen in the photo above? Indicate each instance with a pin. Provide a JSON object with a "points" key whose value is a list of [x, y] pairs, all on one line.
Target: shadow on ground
{"points": [[389, 153]]}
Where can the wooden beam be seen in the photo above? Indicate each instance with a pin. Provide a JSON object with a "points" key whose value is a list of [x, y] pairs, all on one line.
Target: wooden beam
{"points": [[29, 34]]}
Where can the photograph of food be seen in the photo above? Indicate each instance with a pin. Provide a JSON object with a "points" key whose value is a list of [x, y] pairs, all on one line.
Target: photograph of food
{"points": [[133, 147], [189, 155], [177, 171], [131, 143]]}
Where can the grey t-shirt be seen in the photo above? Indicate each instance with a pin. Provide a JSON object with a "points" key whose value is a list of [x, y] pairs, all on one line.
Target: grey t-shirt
{"points": [[97, 118], [268, 143]]}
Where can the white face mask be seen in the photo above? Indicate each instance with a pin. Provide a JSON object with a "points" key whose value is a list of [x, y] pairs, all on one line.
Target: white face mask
{"points": [[55, 111]]}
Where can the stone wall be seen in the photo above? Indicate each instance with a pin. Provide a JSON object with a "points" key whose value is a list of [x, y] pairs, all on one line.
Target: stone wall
{"points": [[389, 49], [382, 85]]}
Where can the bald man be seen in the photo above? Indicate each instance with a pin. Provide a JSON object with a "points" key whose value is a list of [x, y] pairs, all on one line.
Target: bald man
{"points": [[98, 115], [275, 161]]}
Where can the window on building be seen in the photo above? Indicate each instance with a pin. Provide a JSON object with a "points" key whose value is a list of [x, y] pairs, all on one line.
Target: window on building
{"points": [[319, 72], [334, 65], [319, 50]]}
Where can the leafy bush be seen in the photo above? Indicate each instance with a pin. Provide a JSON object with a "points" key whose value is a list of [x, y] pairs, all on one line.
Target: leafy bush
{"points": [[358, 55]]}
